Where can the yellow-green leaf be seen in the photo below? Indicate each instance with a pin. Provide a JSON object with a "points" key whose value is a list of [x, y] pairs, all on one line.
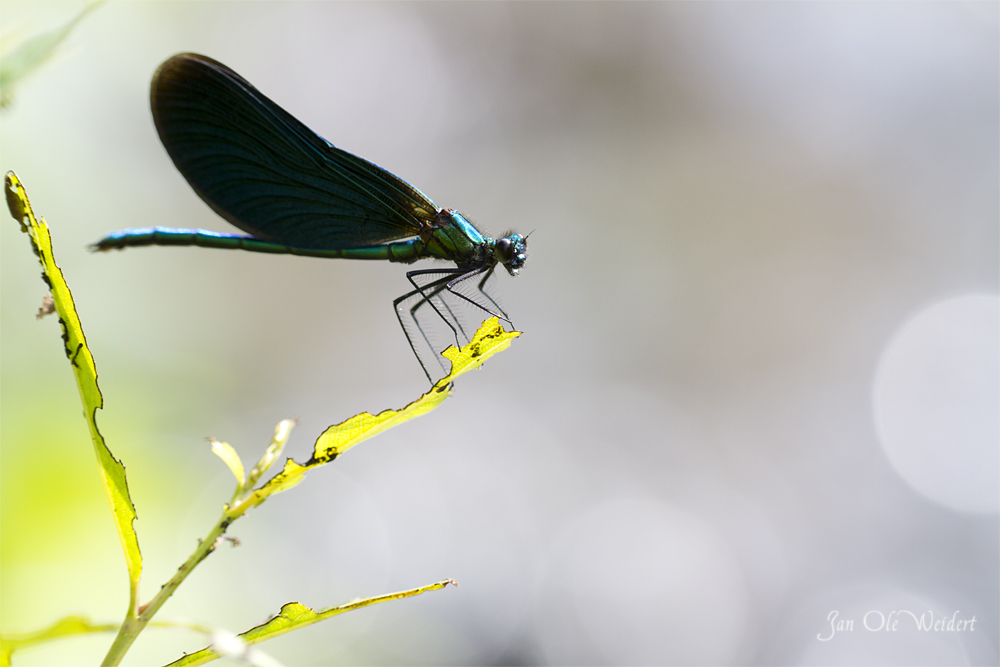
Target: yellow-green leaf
{"points": [[337, 439], [294, 616], [75, 344], [488, 340], [229, 456]]}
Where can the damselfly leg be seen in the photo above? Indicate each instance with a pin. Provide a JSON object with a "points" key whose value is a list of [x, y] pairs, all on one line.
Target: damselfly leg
{"points": [[433, 293]]}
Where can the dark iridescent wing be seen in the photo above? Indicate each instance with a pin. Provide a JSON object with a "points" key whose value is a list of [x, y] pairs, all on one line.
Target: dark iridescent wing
{"points": [[267, 173]]}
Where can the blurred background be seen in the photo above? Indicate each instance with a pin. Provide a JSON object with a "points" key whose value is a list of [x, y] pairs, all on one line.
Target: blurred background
{"points": [[758, 381]]}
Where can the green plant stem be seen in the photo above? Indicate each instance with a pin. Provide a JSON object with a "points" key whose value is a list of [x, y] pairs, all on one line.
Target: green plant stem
{"points": [[136, 622]]}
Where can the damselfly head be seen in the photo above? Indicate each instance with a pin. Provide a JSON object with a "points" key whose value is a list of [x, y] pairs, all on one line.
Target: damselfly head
{"points": [[511, 250]]}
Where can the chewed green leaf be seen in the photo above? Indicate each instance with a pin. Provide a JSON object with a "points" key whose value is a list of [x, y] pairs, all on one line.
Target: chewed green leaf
{"points": [[337, 439], [294, 616], [27, 57], [82, 362], [229, 456], [488, 340]]}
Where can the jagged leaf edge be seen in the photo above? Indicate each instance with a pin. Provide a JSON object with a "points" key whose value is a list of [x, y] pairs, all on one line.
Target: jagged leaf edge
{"points": [[82, 361]]}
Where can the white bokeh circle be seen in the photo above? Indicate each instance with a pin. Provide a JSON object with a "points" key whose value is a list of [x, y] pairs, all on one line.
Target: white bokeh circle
{"points": [[937, 402]]}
